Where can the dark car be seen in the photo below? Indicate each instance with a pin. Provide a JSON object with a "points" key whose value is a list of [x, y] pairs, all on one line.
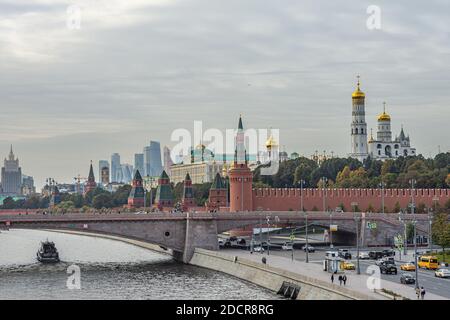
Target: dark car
{"points": [[310, 248], [344, 253], [388, 253], [388, 268], [407, 278], [375, 255]]}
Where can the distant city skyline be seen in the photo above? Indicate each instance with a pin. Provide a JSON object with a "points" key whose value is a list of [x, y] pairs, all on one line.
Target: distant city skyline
{"points": [[138, 71]]}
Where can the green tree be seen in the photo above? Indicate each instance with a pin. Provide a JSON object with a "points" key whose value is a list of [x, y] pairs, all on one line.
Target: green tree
{"points": [[102, 200], [441, 231]]}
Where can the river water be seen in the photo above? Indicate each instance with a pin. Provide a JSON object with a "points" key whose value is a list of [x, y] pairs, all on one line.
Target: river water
{"points": [[108, 270]]}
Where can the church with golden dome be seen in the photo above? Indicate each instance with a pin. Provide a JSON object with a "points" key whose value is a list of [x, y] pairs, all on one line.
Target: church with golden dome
{"points": [[381, 148], [384, 147]]}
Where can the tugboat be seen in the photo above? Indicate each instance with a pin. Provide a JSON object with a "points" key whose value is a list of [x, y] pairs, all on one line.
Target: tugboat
{"points": [[47, 253]]}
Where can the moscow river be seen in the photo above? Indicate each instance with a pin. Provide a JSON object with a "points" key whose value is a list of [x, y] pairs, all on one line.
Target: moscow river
{"points": [[108, 270]]}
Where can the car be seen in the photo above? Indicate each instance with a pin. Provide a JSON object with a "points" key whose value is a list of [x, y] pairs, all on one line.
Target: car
{"points": [[379, 262], [338, 210], [388, 268], [287, 246], [408, 267], [331, 254], [221, 243], [375, 255], [388, 253], [442, 273], [347, 265], [258, 249], [407, 278], [364, 255], [310, 248], [344, 253]]}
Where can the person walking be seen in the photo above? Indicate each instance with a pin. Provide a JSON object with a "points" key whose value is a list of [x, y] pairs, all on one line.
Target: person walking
{"points": [[344, 278], [422, 292], [340, 280], [332, 278]]}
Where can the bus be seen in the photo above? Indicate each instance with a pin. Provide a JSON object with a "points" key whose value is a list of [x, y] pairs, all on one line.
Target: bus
{"points": [[428, 262]]}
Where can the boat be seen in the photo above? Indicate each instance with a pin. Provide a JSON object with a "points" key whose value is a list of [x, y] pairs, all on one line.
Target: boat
{"points": [[47, 253]]}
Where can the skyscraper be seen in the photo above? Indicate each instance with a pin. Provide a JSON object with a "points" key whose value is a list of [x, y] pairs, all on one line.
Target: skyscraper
{"points": [[115, 168], [11, 175], [138, 162], [167, 160], [103, 171], [152, 159], [127, 173]]}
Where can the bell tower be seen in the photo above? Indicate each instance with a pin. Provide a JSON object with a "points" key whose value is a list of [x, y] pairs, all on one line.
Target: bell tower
{"points": [[358, 125]]}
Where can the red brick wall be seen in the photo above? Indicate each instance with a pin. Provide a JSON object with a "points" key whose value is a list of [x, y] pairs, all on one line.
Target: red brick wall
{"points": [[284, 199]]}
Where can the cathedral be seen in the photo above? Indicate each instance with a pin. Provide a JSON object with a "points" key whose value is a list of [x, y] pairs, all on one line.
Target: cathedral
{"points": [[381, 148]]}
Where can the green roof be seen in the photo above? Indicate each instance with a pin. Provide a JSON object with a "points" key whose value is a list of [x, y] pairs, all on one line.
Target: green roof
{"points": [[218, 182]]}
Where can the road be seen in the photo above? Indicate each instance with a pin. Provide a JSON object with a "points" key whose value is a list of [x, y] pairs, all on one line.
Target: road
{"points": [[426, 277]]}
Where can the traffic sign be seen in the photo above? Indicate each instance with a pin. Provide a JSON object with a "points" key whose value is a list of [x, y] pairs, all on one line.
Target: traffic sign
{"points": [[371, 225]]}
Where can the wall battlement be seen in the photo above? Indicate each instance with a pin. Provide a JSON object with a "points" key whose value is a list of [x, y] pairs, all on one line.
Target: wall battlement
{"points": [[285, 199]]}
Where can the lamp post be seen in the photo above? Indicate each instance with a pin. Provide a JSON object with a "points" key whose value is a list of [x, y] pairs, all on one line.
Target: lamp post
{"points": [[306, 237], [412, 182], [324, 182], [268, 235], [331, 232], [414, 222], [405, 242], [430, 229], [382, 185], [260, 231], [357, 223]]}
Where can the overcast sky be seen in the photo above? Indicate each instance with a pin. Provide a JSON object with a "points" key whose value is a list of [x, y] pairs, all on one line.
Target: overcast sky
{"points": [[137, 70]]}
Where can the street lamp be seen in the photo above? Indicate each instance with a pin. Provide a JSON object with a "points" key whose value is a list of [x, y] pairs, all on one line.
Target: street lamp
{"points": [[268, 235], [324, 182], [306, 237], [357, 223], [331, 232], [382, 185], [405, 242], [430, 231], [412, 182], [414, 222]]}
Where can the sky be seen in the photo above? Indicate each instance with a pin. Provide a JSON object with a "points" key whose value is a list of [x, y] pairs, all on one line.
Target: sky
{"points": [[80, 80]]}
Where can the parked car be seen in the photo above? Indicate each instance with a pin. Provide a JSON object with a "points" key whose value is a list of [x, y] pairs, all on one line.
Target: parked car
{"points": [[221, 243], [310, 248], [442, 273], [347, 265], [407, 278], [364, 255], [344, 253], [388, 268], [408, 267], [338, 210], [287, 246]]}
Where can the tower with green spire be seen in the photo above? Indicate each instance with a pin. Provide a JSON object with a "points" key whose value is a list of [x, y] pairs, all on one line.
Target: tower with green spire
{"points": [[90, 183], [188, 193], [136, 198], [218, 194], [164, 193]]}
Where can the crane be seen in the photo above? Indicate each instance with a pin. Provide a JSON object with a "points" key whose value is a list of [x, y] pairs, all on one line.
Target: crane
{"points": [[77, 180]]}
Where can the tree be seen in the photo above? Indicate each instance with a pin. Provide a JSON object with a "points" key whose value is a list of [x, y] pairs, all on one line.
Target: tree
{"points": [[410, 231], [441, 231], [102, 200], [9, 203]]}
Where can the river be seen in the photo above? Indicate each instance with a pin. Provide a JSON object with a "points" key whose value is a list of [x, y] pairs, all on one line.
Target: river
{"points": [[108, 270]]}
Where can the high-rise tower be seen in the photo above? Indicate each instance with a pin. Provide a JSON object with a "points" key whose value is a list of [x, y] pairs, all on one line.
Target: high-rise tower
{"points": [[358, 126], [11, 175]]}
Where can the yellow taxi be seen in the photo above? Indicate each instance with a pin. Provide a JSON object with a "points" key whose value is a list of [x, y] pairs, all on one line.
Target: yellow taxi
{"points": [[347, 265], [408, 267]]}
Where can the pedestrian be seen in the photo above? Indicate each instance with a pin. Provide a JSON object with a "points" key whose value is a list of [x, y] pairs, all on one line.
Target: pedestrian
{"points": [[340, 280], [422, 293], [332, 278], [344, 278]]}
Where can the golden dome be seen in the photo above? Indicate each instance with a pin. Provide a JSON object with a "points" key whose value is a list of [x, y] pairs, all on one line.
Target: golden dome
{"points": [[384, 117], [358, 93], [270, 143]]}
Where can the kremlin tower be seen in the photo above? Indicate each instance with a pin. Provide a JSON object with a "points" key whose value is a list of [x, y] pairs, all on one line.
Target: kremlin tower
{"points": [[188, 193], [218, 194], [240, 175], [90, 183], [164, 194], [358, 126], [136, 199]]}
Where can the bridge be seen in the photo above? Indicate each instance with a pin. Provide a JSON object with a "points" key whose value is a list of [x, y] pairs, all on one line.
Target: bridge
{"points": [[183, 232]]}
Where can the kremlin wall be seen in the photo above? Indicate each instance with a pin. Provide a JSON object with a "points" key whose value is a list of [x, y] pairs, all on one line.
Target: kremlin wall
{"points": [[284, 199]]}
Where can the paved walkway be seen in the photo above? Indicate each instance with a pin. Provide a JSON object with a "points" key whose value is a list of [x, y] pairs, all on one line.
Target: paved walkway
{"points": [[313, 270]]}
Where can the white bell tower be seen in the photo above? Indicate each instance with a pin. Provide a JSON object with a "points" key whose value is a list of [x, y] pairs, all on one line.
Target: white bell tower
{"points": [[358, 126]]}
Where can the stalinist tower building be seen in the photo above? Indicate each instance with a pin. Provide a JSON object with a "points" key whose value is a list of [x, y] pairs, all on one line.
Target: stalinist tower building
{"points": [[358, 126]]}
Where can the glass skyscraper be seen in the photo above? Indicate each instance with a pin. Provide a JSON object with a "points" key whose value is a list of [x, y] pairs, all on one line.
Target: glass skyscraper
{"points": [[152, 159]]}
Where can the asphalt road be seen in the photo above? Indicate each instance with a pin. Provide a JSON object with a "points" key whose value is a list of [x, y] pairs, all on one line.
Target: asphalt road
{"points": [[427, 279]]}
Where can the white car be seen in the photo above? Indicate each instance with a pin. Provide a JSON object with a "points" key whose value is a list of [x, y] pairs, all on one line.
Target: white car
{"points": [[221, 242], [258, 249], [442, 273], [364, 255], [287, 246]]}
